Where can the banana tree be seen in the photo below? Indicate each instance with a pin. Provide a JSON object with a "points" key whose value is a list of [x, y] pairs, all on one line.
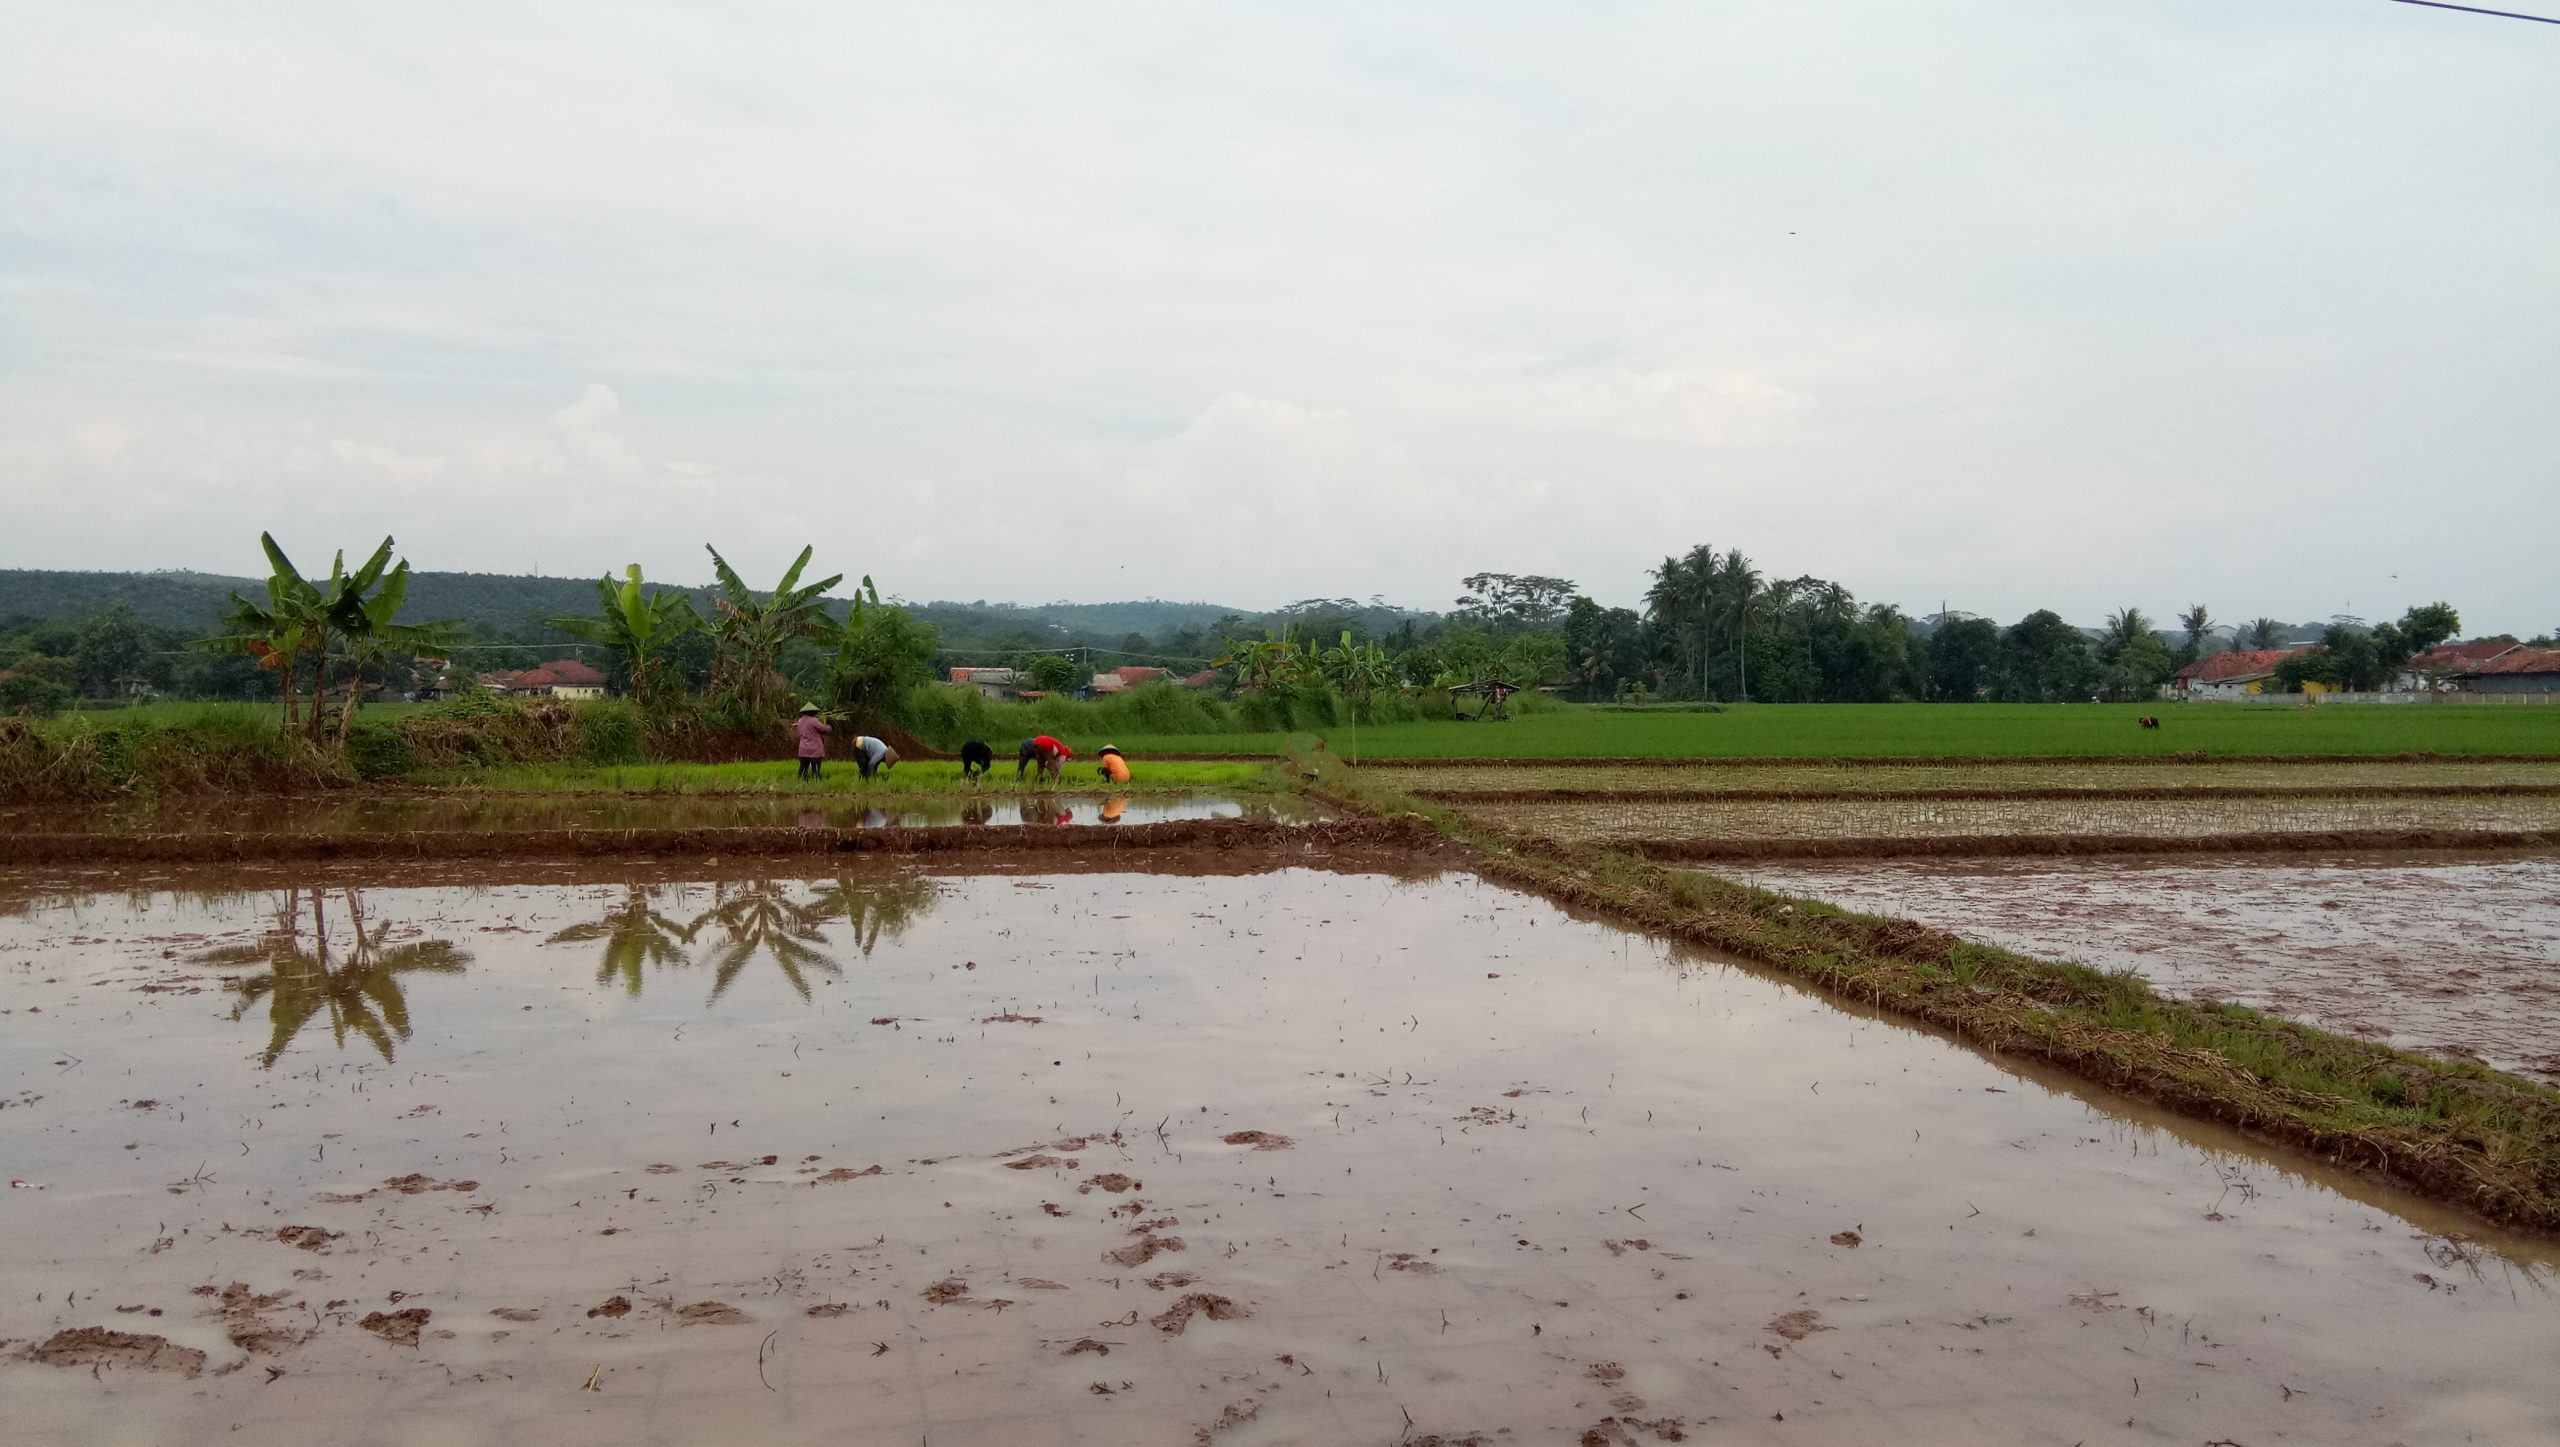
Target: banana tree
{"points": [[636, 624], [1359, 671], [303, 625], [752, 630]]}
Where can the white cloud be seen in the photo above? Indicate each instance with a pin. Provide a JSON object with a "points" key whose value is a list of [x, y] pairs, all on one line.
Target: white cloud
{"points": [[386, 459], [1994, 297]]}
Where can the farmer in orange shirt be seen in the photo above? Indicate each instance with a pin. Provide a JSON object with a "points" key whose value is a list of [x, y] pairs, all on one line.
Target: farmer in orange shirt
{"points": [[1114, 767]]}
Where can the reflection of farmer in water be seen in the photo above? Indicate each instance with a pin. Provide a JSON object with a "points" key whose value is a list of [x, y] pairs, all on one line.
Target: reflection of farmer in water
{"points": [[1114, 767], [873, 756], [1050, 755], [1114, 807], [812, 732]]}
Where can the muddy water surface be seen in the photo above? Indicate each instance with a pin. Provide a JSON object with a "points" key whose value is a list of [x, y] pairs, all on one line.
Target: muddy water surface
{"points": [[2454, 956], [399, 813], [900, 1157]]}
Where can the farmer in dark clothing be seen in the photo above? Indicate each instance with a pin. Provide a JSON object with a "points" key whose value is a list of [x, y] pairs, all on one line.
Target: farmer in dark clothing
{"points": [[976, 758], [812, 731]]}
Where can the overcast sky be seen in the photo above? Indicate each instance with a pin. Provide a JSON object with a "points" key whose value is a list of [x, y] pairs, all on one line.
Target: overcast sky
{"points": [[2005, 303]]}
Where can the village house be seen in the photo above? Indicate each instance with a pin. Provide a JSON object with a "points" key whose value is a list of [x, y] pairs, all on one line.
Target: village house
{"points": [[2442, 668], [2518, 670], [564, 678], [995, 683], [2240, 673], [1122, 679]]}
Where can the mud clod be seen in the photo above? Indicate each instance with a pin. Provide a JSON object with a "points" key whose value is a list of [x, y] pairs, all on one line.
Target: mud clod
{"points": [[92, 1346], [1111, 1181], [1261, 1140], [844, 1173], [943, 1293], [1797, 1325], [1174, 1318], [1846, 1238], [309, 1238], [709, 1313], [613, 1308], [400, 1327], [1143, 1250]]}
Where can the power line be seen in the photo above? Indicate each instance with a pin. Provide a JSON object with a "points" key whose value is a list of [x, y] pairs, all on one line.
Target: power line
{"points": [[2476, 10]]}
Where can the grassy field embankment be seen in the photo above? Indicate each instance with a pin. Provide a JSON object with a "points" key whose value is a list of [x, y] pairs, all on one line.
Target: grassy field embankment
{"points": [[1927, 730]]}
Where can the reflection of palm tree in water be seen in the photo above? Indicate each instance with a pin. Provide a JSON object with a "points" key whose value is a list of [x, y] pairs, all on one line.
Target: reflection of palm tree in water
{"points": [[635, 935], [360, 992], [876, 907], [760, 916], [752, 917]]}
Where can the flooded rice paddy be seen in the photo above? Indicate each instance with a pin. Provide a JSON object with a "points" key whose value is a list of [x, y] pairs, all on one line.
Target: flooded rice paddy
{"points": [[2452, 956], [1602, 820], [2165, 775], [1375, 1155], [403, 813]]}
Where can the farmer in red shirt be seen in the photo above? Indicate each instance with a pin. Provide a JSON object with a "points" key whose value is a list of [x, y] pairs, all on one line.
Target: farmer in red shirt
{"points": [[812, 731], [1044, 751]]}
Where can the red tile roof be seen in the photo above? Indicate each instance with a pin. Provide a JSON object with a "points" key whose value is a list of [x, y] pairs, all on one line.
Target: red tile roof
{"points": [[2237, 666], [2480, 652], [570, 673], [1134, 674], [2522, 660]]}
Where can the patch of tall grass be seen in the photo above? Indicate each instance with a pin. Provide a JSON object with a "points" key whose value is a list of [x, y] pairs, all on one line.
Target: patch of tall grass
{"points": [[213, 749]]}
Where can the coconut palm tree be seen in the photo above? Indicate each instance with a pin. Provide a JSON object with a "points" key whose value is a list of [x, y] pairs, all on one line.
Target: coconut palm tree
{"points": [[2261, 633]]}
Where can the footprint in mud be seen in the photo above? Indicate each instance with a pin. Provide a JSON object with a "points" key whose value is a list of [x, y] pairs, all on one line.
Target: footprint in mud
{"points": [[1261, 1140], [1407, 1261], [398, 1327], [515, 1313], [1037, 1162], [1174, 1318], [94, 1347], [843, 1173], [664, 1169], [1621, 1248], [1172, 1280], [709, 1313]]}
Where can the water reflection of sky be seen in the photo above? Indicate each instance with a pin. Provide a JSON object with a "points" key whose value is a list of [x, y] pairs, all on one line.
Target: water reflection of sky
{"points": [[395, 814]]}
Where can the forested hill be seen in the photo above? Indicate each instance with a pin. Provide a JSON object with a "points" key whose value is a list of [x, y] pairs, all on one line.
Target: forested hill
{"points": [[511, 606]]}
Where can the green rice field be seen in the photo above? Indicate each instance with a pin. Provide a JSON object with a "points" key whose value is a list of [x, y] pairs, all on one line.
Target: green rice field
{"points": [[1883, 730]]}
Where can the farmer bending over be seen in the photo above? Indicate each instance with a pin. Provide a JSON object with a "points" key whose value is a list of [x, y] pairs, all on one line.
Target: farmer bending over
{"points": [[873, 756], [1114, 767], [812, 731], [1050, 755]]}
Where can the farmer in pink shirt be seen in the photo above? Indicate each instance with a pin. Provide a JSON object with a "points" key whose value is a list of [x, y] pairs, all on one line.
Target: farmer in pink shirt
{"points": [[813, 732]]}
